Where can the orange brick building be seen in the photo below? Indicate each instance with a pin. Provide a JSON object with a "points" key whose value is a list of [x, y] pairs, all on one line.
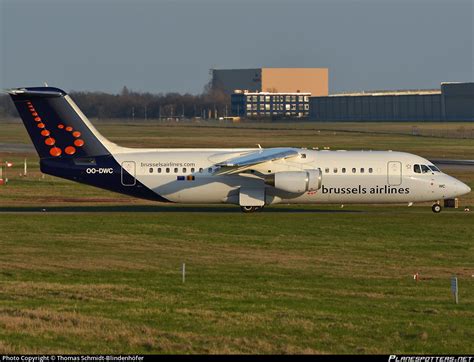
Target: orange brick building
{"points": [[275, 80]]}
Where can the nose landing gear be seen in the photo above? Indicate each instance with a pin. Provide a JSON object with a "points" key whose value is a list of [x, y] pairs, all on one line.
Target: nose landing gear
{"points": [[436, 208]]}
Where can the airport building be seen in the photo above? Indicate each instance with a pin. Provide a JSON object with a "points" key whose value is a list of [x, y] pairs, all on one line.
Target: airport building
{"points": [[270, 105], [274, 80], [453, 102]]}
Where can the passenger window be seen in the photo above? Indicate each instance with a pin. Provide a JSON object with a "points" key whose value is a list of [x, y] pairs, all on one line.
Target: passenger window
{"points": [[159, 169], [362, 170], [209, 169], [353, 170], [200, 170], [326, 170], [192, 170], [175, 170], [167, 170], [151, 170], [425, 169], [303, 155], [371, 170], [184, 169], [417, 169], [335, 170], [343, 170]]}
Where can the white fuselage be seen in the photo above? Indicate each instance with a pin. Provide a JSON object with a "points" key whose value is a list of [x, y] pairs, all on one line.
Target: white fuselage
{"points": [[189, 176]]}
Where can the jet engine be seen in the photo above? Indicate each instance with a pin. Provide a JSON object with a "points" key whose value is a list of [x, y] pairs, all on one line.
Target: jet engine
{"points": [[295, 182]]}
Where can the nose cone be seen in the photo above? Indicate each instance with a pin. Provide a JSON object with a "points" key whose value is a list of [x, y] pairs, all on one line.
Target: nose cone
{"points": [[463, 189]]}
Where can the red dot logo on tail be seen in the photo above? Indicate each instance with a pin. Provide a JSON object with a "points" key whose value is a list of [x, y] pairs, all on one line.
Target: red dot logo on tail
{"points": [[70, 150], [55, 151], [50, 141]]}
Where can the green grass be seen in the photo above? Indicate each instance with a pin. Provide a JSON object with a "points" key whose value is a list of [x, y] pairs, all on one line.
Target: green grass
{"points": [[310, 280], [98, 272], [350, 136]]}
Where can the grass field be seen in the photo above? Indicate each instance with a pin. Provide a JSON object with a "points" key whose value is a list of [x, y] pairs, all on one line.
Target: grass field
{"points": [[353, 136], [98, 272]]}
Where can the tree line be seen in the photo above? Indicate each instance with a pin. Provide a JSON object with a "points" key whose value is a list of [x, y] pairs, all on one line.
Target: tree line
{"points": [[131, 105]]}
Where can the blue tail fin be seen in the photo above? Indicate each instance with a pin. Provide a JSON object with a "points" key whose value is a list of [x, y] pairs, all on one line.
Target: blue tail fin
{"points": [[56, 125]]}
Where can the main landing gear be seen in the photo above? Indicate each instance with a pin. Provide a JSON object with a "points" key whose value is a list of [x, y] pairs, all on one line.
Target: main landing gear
{"points": [[249, 209], [436, 208]]}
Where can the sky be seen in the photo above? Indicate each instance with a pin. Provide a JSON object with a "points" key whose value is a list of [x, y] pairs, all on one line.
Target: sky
{"points": [[170, 46]]}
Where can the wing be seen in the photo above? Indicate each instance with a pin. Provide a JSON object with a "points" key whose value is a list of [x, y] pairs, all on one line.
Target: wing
{"points": [[244, 162]]}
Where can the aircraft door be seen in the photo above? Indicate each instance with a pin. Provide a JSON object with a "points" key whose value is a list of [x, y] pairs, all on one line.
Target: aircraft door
{"points": [[128, 173], [394, 173]]}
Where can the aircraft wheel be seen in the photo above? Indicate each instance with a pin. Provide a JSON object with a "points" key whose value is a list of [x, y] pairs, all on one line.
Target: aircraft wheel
{"points": [[248, 209], [436, 208]]}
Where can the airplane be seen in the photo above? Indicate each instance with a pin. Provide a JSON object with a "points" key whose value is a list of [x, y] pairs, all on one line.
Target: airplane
{"points": [[69, 146]]}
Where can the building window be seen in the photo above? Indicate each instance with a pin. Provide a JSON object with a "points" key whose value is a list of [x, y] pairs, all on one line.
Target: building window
{"points": [[267, 106], [293, 98], [249, 107], [267, 98], [262, 106], [262, 99], [288, 99], [254, 99], [306, 98], [306, 107]]}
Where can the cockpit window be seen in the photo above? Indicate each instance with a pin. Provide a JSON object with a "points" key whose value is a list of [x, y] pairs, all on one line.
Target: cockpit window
{"points": [[434, 168], [417, 168], [425, 169]]}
